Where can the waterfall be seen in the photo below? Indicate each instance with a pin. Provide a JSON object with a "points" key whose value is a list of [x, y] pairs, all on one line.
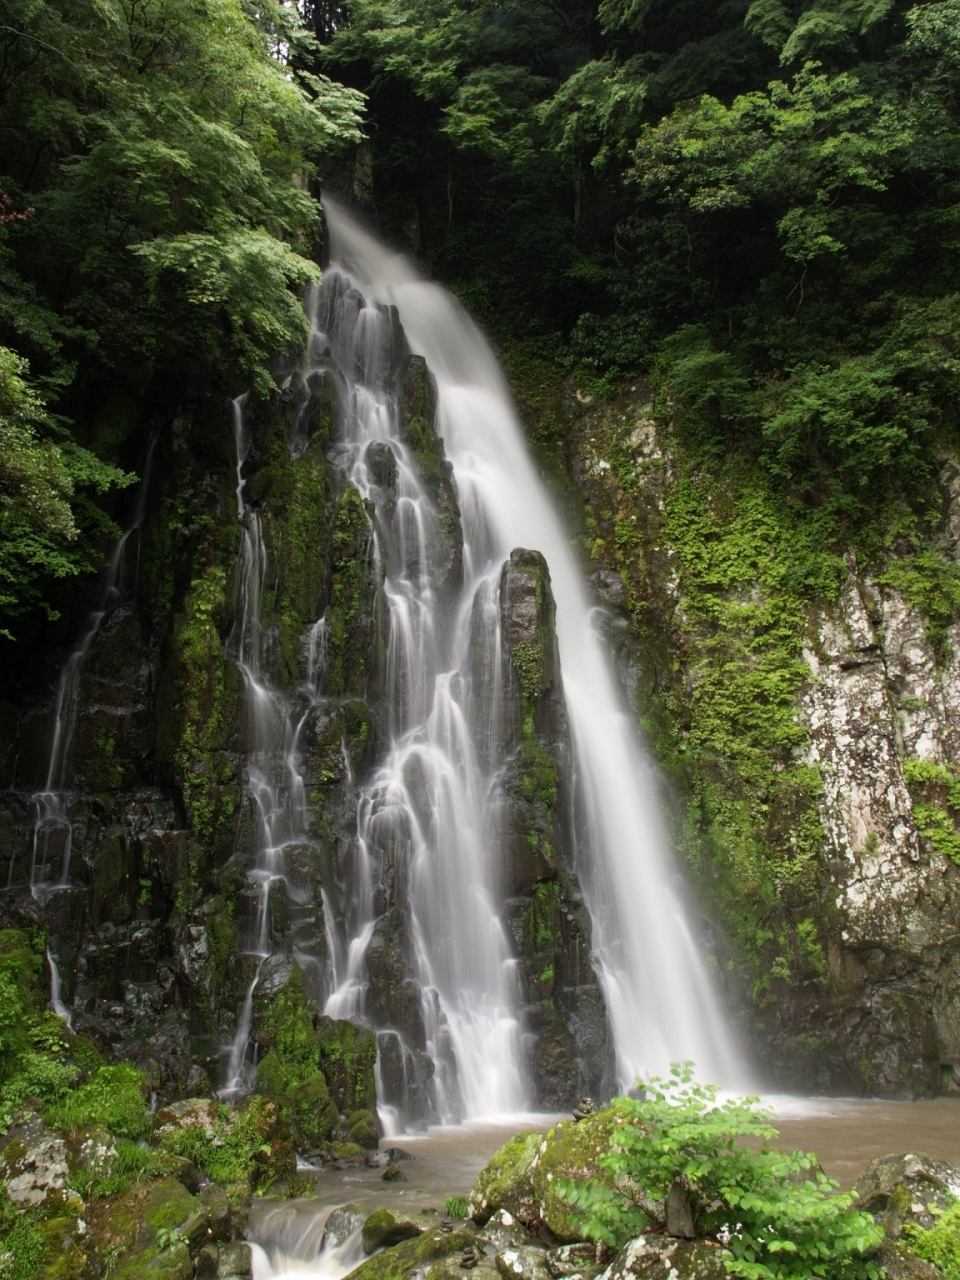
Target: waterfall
{"points": [[435, 791], [273, 725]]}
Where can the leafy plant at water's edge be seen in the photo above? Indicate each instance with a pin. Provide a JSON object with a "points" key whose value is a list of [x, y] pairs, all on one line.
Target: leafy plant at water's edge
{"points": [[778, 1215]]}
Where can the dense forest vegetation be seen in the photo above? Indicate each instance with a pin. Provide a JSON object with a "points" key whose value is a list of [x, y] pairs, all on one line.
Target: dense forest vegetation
{"points": [[757, 204]]}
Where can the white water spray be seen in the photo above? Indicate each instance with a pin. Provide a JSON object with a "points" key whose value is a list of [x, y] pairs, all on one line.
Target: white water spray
{"points": [[660, 1000]]}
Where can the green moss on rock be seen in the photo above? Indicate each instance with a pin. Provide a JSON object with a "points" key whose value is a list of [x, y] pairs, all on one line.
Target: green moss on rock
{"points": [[506, 1182], [414, 1255]]}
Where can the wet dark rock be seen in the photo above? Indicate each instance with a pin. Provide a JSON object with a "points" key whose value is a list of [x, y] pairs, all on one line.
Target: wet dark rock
{"points": [[342, 1223], [545, 912], [382, 464], [393, 1173]]}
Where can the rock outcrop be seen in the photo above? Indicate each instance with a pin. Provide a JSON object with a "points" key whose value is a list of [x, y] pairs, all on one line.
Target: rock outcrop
{"points": [[805, 709]]}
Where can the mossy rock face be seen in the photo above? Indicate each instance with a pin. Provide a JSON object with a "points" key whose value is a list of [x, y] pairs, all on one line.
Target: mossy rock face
{"points": [[415, 1255], [348, 1056], [384, 1228], [571, 1150], [356, 647], [128, 1227], [507, 1182]]}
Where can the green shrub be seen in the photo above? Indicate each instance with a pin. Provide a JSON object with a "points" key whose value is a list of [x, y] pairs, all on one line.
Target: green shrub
{"points": [[112, 1099], [226, 1144], [456, 1207], [779, 1217], [941, 1244], [115, 1168]]}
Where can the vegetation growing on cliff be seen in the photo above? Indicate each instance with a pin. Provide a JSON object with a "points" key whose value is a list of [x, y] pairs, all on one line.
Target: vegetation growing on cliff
{"points": [[155, 232]]}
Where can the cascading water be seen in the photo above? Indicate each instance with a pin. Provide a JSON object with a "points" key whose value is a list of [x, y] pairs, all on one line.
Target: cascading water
{"points": [[430, 796], [271, 738], [435, 792], [420, 865]]}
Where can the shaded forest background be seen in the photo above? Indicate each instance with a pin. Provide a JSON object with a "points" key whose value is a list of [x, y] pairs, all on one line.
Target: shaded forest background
{"points": [[754, 205]]}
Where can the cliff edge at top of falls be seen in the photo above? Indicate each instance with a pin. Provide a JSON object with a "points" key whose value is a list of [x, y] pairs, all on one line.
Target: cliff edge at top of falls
{"points": [[804, 707]]}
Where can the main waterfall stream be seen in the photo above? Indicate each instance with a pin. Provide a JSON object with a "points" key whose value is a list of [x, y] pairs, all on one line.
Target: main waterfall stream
{"points": [[660, 1002], [434, 795]]}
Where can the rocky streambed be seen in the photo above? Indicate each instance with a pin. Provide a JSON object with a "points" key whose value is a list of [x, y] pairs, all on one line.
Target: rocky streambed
{"points": [[218, 1191]]}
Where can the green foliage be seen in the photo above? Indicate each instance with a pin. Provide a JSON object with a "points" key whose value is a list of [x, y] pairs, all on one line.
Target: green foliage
{"points": [[941, 1244], [456, 1207], [22, 1250], [777, 1214], [156, 228], [226, 1143], [170, 1237], [33, 1042], [112, 1167], [929, 582], [48, 523], [112, 1099], [935, 790]]}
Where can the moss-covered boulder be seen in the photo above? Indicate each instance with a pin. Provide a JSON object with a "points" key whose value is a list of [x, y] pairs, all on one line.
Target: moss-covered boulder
{"points": [[150, 1231], [414, 1256], [385, 1228], [507, 1182], [570, 1150]]}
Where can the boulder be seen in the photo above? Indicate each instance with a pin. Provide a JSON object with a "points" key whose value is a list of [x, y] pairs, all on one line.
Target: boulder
{"points": [[900, 1189], [523, 1264], [131, 1223], [234, 1262], [503, 1231], [34, 1174], [341, 1224], [570, 1150], [583, 1260], [507, 1182], [384, 1228], [898, 1263], [415, 1257], [657, 1257]]}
